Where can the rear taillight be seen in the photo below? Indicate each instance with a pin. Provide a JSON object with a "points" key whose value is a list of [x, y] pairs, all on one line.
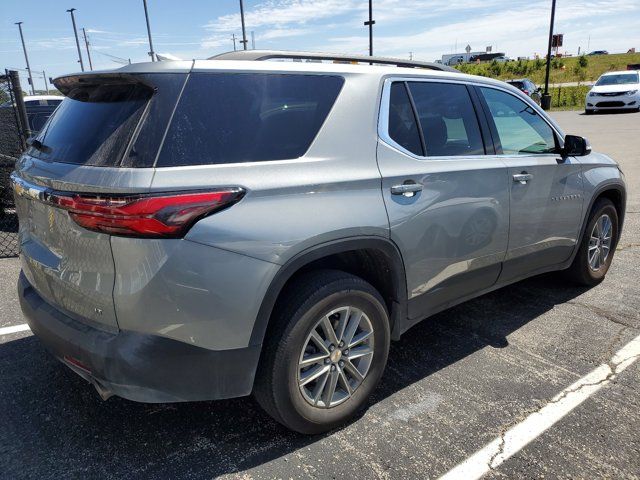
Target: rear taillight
{"points": [[156, 215], [526, 92]]}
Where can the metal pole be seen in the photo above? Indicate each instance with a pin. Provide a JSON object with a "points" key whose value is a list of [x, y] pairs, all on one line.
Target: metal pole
{"points": [[75, 32], [46, 84], [233, 37], [253, 40], [370, 24], [26, 58], [86, 44], [546, 99], [244, 33], [146, 16]]}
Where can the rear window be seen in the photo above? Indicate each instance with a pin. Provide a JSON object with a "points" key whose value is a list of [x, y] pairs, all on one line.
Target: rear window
{"points": [[519, 85], [93, 125], [247, 117]]}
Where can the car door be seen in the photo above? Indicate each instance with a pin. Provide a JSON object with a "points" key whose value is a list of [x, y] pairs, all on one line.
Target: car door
{"points": [[546, 188], [447, 201]]}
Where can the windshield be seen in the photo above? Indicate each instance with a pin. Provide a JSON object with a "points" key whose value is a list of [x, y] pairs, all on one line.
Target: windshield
{"points": [[618, 79], [93, 125]]}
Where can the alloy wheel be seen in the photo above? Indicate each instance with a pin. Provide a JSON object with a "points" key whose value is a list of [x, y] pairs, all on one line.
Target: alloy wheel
{"points": [[600, 242], [335, 357]]}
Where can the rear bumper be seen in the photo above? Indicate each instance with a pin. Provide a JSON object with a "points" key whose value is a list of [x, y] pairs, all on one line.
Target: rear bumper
{"points": [[138, 366]]}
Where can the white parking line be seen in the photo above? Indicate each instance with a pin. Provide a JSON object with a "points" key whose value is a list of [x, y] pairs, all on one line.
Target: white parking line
{"points": [[14, 329], [517, 437]]}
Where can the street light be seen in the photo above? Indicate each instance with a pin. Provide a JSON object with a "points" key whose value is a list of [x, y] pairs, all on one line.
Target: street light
{"points": [[545, 101], [75, 32], [33, 88], [244, 33], [370, 23], [146, 16]]}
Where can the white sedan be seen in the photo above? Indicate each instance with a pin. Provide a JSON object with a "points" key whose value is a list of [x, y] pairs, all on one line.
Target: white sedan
{"points": [[614, 91]]}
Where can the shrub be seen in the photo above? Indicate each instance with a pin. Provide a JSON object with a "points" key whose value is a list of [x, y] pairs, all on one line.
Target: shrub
{"points": [[495, 68], [583, 61]]}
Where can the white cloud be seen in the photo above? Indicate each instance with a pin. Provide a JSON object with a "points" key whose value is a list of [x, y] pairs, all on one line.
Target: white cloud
{"points": [[284, 12], [519, 30]]}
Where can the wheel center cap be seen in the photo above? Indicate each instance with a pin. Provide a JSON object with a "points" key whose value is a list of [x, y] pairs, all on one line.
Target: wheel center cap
{"points": [[336, 355]]}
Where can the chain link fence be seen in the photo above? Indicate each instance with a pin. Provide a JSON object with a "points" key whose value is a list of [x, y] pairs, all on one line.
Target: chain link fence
{"points": [[10, 150]]}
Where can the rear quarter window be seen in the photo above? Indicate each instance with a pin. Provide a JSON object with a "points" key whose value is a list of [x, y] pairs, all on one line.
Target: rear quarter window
{"points": [[247, 117]]}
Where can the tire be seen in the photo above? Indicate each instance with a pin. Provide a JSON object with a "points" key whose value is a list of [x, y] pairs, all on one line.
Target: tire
{"points": [[588, 112], [581, 271], [298, 313]]}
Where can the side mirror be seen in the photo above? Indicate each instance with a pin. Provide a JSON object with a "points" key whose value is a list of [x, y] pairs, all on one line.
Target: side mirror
{"points": [[575, 146]]}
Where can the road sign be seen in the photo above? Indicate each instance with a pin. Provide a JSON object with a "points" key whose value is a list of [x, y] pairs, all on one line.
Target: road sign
{"points": [[556, 40], [468, 49]]}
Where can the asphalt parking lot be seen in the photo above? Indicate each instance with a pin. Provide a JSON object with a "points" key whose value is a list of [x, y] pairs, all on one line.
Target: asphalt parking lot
{"points": [[454, 384]]}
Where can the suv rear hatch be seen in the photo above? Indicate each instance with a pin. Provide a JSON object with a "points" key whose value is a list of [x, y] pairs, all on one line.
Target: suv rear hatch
{"points": [[94, 145]]}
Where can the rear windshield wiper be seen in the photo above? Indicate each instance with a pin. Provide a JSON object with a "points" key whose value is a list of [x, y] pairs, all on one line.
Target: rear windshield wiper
{"points": [[38, 145]]}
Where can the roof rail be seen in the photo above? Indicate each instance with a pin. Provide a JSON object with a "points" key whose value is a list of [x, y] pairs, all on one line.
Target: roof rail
{"points": [[261, 55]]}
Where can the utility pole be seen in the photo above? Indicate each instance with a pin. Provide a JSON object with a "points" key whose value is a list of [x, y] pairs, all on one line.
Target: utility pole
{"points": [[546, 98], [146, 16], [46, 84], [410, 55], [370, 23], [244, 33], [233, 37], [26, 58], [86, 43], [253, 40], [75, 32]]}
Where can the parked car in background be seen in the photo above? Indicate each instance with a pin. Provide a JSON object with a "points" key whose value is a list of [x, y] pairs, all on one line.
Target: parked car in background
{"points": [[598, 52], [456, 60], [39, 108], [527, 87], [614, 91], [278, 246], [502, 59]]}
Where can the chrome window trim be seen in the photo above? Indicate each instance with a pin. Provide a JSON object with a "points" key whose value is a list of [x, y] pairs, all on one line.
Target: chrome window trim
{"points": [[383, 118]]}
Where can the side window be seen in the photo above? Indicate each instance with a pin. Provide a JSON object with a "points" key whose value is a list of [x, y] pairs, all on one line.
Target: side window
{"points": [[520, 129], [448, 119], [403, 128]]}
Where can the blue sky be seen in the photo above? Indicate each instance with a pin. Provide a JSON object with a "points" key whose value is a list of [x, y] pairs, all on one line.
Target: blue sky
{"points": [[201, 28]]}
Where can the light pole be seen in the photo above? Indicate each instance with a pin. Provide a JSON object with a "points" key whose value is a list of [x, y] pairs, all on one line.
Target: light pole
{"points": [[244, 33], [86, 44], [75, 32], [146, 16], [370, 23], [546, 98], [26, 58]]}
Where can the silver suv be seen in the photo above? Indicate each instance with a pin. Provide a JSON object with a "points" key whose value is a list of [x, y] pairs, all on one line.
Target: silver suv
{"points": [[217, 228]]}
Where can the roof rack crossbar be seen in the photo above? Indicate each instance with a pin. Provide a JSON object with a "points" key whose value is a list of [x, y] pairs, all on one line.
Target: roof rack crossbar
{"points": [[262, 55]]}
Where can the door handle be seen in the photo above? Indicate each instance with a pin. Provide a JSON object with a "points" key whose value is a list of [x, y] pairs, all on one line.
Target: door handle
{"points": [[406, 189], [522, 178]]}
